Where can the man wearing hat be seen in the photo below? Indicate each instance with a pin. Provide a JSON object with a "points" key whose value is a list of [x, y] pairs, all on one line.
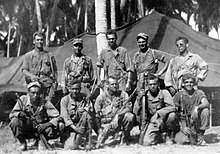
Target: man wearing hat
{"points": [[40, 65], [75, 111], [116, 62], [146, 60], [77, 67], [32, 115]]}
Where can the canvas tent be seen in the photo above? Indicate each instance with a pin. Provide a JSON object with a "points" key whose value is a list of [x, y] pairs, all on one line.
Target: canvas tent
{"points": [[162, 31]]}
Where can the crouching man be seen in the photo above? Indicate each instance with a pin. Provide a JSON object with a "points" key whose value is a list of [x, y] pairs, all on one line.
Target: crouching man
{"points": [[113, 109], [33, 117], [158, 116], [76, 112], [193, 109]]}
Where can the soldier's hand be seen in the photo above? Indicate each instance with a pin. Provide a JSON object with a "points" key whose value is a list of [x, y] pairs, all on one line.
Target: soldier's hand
{"points": [[22, 115], [194, 114], [172, 90], [78, 130], [34, 78], [128, 86], [42, 127], [186, 130], [81, 110], [114, 123]]}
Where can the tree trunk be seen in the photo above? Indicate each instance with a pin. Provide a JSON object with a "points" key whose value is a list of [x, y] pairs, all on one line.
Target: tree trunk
{"points": [[101, 27], [78, 18], [19, 47], [113, 14], [8, 43], [39, 20], [86, 16], [140, 8]]}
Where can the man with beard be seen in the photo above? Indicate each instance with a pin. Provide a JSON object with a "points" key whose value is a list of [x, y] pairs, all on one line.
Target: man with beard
{"points": [[116, 62], [185, 62], [193, 110], [111, 110], [146, 60], [32, 115], [77, 67], [160, 114], [40, 65], [76, 112]]}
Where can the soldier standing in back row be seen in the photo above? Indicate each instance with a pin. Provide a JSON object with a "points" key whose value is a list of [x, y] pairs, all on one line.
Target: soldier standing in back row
{"points": [[77, 67], [116, 62], [40, 65], [146, 60]]}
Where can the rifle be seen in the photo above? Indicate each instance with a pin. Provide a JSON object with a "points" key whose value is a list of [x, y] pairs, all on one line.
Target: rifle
{"points": [[102, 136], [143, 121], [42, 137]]}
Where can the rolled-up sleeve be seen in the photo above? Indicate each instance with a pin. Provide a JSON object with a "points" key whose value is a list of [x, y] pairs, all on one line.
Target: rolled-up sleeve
{"points": [[128, 63], [64, 112], [101, 59], [203, 68], [53, 113]]}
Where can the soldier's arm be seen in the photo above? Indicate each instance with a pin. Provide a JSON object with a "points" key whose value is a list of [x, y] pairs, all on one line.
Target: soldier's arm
{"points": [[64, 113], [98, 106], [203, 69], [52, 113], [17, 108], [64, 75]]}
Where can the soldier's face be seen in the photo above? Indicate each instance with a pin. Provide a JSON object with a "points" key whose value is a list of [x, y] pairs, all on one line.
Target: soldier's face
{"points": [[39, 41], [189, 84], [77, 48], [75, 90], [111, 38], [182, 46], [113, 85], [34, 93], [142, 43], [152, 85]]}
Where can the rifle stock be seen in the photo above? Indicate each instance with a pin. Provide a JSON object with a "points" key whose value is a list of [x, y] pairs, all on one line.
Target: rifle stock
{"points": [[107, 129], [45, 144]]}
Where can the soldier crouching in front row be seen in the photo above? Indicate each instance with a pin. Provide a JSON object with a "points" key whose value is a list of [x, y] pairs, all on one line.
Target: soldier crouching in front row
{"points": [[76, 112], [113, 109], [158, 115], [35, 117]]}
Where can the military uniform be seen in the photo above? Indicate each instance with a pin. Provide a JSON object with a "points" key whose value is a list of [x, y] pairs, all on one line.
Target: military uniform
{"points": [[26, 128], [116, 65], [185, 104], [42, 65], [71, 114], [160, 114], [78, 68], [191, 63], [107, 105], [145, 63]]}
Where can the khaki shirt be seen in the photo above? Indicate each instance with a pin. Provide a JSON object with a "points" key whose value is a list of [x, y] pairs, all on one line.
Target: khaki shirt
{"points": [[107, 105], [69, 108], [45, 111], [76, 67], [40, 64], [191, 63]]}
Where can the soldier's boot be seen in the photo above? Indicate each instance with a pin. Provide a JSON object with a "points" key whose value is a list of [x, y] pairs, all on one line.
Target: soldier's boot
{"points": [[169, 140], [200, 139], [23, 142]]}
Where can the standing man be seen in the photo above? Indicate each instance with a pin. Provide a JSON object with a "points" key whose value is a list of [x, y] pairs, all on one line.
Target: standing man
{"points": [[40, 65], [146, 60], [193, 109], [185, 62], [116, 62], [32, 116], [159, 114], [110, 104], [77, 67], [77, 119]]}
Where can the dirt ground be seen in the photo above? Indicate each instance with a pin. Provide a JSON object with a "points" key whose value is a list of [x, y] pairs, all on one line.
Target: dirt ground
{"points": [[8, 144]]}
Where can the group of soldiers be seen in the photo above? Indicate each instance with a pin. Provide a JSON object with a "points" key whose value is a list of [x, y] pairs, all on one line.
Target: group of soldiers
{"points": [[131, 96]]}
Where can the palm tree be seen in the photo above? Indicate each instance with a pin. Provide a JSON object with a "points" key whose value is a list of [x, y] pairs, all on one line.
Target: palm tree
{"points": [[101, 27]]}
